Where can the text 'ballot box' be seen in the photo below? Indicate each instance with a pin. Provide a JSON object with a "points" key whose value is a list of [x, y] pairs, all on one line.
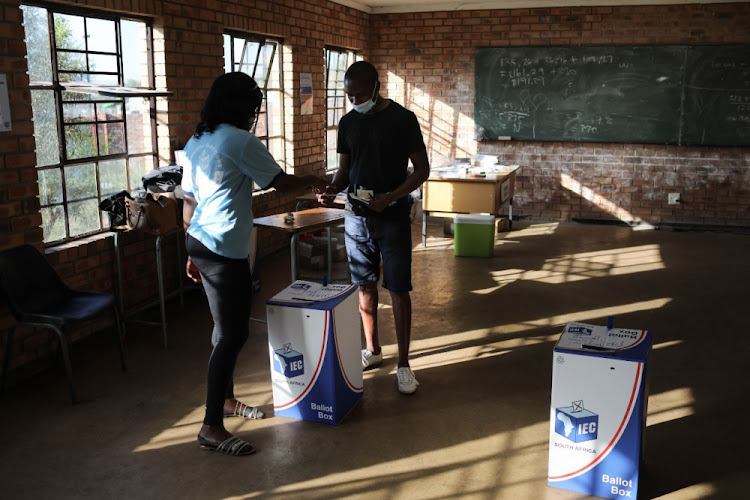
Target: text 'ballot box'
{"points": [[598, 410], [314, 345]]}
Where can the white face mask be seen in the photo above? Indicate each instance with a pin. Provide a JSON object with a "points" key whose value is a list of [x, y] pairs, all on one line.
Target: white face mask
{"points": [[366, 106]]}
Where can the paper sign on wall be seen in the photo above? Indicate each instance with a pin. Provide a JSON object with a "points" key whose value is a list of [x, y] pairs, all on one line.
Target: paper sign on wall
{"points": [[306, 93], [5, 123]]}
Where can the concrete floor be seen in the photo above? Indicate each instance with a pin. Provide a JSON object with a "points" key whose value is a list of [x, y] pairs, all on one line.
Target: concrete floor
{"points": [[483, 338]]}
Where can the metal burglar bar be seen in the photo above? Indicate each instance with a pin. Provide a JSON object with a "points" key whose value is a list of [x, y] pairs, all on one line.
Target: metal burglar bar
{"points": [[93, 102]]}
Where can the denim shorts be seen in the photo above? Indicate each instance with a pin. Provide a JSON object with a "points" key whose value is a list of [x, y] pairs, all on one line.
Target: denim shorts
{"points": [[368, 238]]}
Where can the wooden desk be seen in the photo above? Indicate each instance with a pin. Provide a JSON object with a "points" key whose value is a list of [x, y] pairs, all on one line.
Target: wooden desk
{"points": [[304, 222], [462, 194]]}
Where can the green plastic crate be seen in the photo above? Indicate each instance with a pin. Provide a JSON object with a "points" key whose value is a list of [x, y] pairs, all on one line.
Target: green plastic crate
{"points": [[474, 235]]}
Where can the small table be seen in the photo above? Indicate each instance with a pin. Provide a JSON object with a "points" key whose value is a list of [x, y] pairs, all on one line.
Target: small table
{"points": [[131, 317], [463, 194], [304, 222]]}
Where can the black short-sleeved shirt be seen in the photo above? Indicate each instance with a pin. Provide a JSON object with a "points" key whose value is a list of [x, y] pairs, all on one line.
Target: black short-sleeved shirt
{"points": [[379, 145]]}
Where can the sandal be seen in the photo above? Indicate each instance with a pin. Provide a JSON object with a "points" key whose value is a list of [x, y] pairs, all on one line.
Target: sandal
{"points": [[233, 446], [245, 411]]}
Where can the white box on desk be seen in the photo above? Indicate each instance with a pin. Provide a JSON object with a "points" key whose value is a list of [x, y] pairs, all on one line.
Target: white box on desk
{"points": [[314, 344], [598, 410]]}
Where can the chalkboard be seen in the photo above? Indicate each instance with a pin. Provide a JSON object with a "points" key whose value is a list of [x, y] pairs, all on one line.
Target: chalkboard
{"points": [[637, 94]]}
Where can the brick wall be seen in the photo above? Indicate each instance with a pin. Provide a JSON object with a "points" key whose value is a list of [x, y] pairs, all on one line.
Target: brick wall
{"points": [[188, 51], [428, 62]]}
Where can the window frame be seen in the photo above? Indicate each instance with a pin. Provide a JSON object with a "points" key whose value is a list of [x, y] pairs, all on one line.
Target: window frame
{"points": [[337, 92], [98, 94], [276, 61]]}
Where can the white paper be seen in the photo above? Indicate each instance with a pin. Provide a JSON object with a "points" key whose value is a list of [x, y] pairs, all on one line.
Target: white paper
{"points": [[309, 291]]}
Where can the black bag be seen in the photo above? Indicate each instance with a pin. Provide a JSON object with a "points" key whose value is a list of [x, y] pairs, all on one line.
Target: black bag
{"points": [[163, 180], [115, 208]]}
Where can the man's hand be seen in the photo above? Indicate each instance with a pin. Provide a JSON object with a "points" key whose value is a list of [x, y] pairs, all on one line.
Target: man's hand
{"points": [[380, 202], [192, 271]]}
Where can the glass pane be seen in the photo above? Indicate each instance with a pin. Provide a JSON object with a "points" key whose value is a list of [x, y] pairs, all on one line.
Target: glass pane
{"points": [[101, 35], [50, 186], [111, 138], [227, 53], [109, 111], [331, 158], [260, 126], [99, 62], [83, 217], [69, 32], [274, 78], [37, 43], [112, 177], [134, 54], [102, 79], [246, 62], [264, 61], [78, 112], [78, 96], [137, 168], [45, 127], [138, 120], [53, 223], [274, 123], [80, 141], [71, 61], [80, 181], [276, 148]]}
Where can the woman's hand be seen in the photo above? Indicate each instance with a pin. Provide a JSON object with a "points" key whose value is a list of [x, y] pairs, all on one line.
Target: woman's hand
{"points": [[192, 271]]}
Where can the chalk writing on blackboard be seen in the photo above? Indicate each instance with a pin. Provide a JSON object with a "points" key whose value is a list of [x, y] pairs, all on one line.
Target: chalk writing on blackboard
{"points": [[613, 94]]}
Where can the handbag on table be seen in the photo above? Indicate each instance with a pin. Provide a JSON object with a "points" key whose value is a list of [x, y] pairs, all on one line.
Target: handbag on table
{"points": [[152, 215]]}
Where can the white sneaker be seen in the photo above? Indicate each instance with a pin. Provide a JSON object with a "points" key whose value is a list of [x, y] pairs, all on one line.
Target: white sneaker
{"points": [[407, 384], [370, 360]]}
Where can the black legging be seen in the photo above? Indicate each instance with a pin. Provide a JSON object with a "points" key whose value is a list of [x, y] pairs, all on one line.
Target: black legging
{"points": [[229, 287]]}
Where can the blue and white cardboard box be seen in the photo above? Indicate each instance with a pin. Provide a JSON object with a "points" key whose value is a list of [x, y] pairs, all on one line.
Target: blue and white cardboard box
{"points": [[598, 410], [314, 344]]}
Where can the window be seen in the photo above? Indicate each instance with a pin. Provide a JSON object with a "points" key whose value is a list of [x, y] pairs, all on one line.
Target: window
{"points": [[337, 61], [260, 58], [92, 105]]}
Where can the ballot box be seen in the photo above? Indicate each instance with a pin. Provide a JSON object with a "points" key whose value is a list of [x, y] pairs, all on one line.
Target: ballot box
{"points": [[314, 344], [598, 410]]}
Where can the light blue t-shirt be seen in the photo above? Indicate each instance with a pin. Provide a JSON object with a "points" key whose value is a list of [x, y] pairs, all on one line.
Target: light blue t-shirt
{"points": [[219, 171]]}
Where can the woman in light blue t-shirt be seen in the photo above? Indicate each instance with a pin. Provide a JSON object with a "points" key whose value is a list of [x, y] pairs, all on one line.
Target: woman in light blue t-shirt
{"points": [[222, 161]]}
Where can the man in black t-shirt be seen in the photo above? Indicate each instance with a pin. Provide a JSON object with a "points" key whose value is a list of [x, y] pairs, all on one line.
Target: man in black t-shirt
{"points": [[376, 140]]}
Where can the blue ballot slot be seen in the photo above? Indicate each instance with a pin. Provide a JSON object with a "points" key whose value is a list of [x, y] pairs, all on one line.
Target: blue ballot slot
{"points": [[314, 345], [598, 409]]}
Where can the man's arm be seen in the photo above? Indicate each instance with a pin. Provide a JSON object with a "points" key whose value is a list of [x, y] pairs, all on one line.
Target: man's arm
{"points": [[285, 183], [421, 172]]}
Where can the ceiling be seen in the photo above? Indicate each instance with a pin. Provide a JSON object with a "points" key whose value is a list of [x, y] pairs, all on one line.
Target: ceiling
{"points": [[390, 6]]}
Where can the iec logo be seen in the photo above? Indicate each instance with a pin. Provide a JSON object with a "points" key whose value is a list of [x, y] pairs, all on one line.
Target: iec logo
{"points": [[288, 362], [581, 330], [576, 423]]}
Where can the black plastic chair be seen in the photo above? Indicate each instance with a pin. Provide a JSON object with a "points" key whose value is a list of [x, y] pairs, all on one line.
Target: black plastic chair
{"points": [[38, 298]]}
